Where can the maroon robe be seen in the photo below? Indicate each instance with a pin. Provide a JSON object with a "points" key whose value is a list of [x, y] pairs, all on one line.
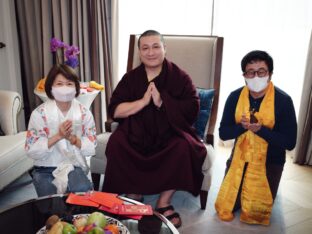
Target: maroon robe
{"points": [[155, 149]]}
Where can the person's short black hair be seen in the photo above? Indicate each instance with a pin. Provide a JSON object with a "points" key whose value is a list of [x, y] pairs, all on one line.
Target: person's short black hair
{"points": [[151, 33], [64, 70], [257, 55]]}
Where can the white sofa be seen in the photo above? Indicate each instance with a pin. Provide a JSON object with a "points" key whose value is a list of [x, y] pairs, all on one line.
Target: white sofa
{"points": [[13, 160]]}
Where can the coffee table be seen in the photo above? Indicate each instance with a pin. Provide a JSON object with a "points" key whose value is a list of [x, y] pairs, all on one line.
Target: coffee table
{"points": [[30, 216]]}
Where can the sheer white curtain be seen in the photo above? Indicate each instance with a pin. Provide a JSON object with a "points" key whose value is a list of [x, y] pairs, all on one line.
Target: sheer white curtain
{"points": [[280, 27]]}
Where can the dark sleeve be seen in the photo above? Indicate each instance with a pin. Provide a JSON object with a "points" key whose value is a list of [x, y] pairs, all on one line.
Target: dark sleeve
{"points": [[120, 94], [181, 101], [284, 133], [229, 129]]}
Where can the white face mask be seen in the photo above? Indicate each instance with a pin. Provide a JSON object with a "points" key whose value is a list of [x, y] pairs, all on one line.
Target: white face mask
{"points": [[257, 84], [63, 93]]}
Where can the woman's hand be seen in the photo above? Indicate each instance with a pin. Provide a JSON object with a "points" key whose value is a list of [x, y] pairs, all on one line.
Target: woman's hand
{"points": [[155, 95], [72, 139], [65, 129]]}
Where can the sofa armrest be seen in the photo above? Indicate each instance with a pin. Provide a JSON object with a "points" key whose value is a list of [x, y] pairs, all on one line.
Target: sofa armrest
{"points": [[208, 167], [10, 105], [98, 161]]}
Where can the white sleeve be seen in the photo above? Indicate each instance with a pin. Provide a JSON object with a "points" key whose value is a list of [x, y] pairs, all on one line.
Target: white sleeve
{"points": [[88, 138], [36, 144]]}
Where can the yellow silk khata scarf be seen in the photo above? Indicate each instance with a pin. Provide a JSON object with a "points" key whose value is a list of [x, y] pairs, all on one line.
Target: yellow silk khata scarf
{"points": [[256, 197]]}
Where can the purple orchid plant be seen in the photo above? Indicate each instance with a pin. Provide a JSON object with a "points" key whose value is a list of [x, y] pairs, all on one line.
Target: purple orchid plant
{"points": [[71, 52]]}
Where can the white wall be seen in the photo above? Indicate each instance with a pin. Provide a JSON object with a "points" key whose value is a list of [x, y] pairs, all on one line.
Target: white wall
{"points": [[10, 74]]}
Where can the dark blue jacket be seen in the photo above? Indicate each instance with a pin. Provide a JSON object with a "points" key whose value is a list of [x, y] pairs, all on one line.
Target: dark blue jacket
{"points": [[284, 133]]}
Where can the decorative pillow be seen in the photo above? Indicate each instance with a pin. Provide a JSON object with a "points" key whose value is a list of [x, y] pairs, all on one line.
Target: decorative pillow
{"points": [[206, 98]]}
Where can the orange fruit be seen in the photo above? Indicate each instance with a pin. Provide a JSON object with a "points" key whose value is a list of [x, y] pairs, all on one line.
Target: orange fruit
{"points": [[113, 228]]}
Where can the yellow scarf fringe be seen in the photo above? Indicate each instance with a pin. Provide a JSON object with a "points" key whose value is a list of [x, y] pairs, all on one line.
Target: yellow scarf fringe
{"points": [[256, 197]]}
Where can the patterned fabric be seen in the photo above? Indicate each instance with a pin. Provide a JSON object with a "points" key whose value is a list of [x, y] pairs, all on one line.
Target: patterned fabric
{"points": [[44, 123], [206, 98]]}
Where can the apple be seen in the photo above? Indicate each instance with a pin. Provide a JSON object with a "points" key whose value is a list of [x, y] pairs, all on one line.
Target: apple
{"points": [[80, 221], [98, 219], [69, 229]]}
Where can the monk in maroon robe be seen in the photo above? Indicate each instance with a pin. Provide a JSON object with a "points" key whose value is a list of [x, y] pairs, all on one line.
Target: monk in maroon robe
{"points": [[155, 149]]}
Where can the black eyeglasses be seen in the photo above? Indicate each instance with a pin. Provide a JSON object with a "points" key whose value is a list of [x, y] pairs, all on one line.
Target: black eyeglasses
{"points": [[251, 73]]}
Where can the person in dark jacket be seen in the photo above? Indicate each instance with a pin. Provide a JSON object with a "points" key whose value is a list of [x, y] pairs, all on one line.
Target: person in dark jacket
{"points": [[262, 120]]}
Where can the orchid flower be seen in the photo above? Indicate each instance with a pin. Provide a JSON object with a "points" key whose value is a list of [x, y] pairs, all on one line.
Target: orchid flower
{"points": [[71, 52]]}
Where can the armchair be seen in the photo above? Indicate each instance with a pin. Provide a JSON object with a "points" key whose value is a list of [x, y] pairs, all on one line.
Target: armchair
{"points": [[10, 105], [201, 58], [13, 160]]}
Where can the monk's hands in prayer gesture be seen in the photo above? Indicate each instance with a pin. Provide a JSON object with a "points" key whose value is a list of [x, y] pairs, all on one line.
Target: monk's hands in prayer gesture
{"points": [[147, 95], [155, 95], [125, 109]]}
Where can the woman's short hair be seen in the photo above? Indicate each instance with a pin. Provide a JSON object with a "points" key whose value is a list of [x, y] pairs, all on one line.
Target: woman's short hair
{"points": [[257, 55], [64, 70]]}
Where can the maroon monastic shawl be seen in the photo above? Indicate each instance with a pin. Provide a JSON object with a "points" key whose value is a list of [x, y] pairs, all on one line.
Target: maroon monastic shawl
{"points": [[155, 149]]}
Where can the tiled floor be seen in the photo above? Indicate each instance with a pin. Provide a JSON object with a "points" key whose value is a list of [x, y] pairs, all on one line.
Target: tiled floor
{"points": [[292, 211]]}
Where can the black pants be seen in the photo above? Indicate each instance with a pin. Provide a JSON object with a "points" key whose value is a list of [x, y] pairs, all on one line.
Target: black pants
{"points": [[273, 173]]}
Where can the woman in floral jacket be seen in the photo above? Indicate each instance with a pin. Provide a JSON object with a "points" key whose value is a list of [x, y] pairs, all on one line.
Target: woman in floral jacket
{"points": [[61, 133]]}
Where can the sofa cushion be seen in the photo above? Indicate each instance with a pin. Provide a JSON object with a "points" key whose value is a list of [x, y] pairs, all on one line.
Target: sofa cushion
{"points": [[13, 159], [14, 146], [206, 98], [98, 162]]}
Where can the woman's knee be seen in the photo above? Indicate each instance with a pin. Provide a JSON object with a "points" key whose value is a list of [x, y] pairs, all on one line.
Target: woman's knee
{"points": [[82, 186], [43, 186], [78, 181]]}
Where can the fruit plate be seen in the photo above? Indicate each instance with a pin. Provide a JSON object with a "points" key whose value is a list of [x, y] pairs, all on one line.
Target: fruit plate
{"points": [[122, 228]]}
